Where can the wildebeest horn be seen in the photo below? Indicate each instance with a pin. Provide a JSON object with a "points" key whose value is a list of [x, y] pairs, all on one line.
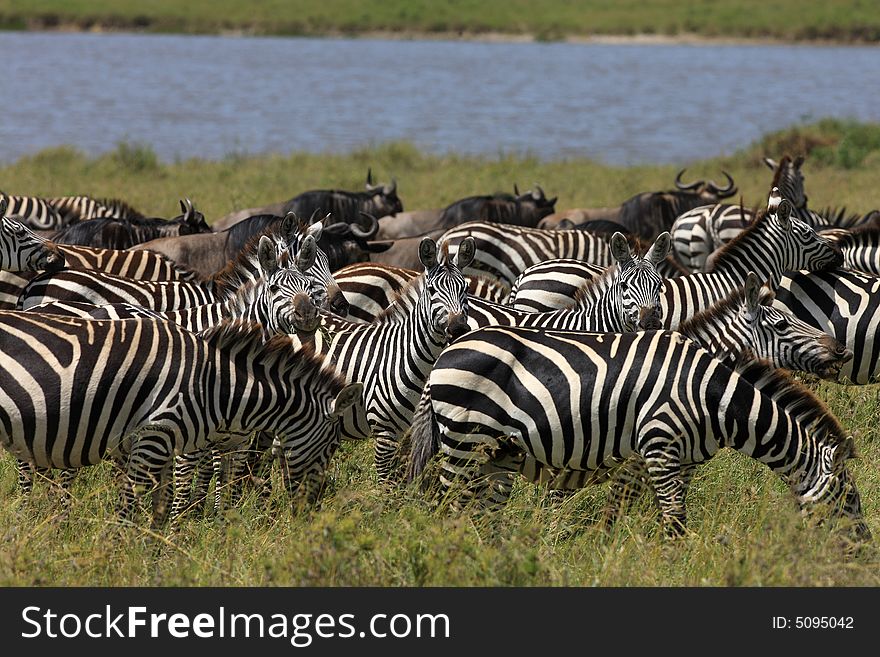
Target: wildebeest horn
{"points": [[730, 190], [370, 232], [312, 218], [683, 186], [540, 194], [370, 178], [515, 189]]}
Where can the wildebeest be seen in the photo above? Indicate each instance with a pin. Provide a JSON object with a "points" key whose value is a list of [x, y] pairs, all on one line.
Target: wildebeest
{"points": [[343, 243], [520, 210], [109, 233], [346, 207], [648, 214]]}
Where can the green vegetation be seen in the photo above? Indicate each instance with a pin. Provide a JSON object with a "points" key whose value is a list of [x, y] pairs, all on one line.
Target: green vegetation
{"points": [[840, 20], [745, 529]]}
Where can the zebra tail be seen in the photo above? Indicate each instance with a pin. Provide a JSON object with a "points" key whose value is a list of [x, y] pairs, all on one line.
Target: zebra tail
{"points": [[424, 436]]}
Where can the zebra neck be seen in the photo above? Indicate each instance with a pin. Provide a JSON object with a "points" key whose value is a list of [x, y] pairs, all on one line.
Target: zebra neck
{"points": [[755, 252], [722, 334]]}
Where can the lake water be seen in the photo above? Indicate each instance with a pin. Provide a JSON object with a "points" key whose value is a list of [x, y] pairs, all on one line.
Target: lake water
{"points": [[623, 104]]}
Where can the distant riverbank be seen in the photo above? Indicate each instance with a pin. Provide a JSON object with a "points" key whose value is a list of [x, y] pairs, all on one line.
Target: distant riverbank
{"points": [[591, 21]]}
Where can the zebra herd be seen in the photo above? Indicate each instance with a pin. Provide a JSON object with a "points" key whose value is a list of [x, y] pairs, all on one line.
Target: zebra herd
{"points": [[562, 357]]}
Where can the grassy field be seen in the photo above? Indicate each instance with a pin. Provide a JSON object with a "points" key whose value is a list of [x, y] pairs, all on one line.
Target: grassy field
{"points": [[745, 529], [840, 20]]}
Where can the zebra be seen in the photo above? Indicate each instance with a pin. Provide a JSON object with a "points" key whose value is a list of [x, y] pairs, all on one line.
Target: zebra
{"points": [[371, 287], [55, 213], [278, 302], [104, 289], [654, 393], [155, 389], [845, 304], [860, 246], [393, 355], [22, 251], [142, 265], [506, 251], [775, 243], [551, 285], [699, 232]]}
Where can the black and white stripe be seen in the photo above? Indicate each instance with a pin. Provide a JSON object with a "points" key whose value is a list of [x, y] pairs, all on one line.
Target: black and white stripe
{"points": [[22, 251], [155, 389], [568, 408]]}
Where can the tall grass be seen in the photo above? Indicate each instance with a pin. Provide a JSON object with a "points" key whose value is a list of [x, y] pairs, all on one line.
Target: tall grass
{"points": [[744, 527], [843, 20]]}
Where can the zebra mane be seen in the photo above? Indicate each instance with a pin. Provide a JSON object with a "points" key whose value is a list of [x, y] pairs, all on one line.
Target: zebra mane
{"points": [[592, 286], [720, 309], [279, 351], [781, 166], [761, 217], [796, 398], [402, 302], [237, 270]]}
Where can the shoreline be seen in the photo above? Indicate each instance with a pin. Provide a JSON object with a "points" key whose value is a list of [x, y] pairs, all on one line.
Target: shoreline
{"points": [[684, 38]]}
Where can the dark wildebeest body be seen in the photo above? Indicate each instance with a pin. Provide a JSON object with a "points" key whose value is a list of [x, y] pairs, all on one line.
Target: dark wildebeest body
{"points": [[111, 233], [346, 207], [519, 210]]}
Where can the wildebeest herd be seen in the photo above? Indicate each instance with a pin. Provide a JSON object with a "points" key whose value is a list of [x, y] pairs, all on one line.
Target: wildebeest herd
{"points": [[491, 339]]}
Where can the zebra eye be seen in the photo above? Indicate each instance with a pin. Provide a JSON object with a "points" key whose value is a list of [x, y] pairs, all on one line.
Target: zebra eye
{"points": [[274, 289], [781, 324]]}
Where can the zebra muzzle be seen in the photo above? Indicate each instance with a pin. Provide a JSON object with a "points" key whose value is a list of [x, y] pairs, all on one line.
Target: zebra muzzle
{"points": [[53, 262], [456, 326], [649, 319], [305, 315]]}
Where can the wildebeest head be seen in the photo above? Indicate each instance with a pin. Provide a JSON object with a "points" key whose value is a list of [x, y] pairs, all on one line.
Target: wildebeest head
{"points": [[707, 190], [536, 202], [346, 244], [191, 220], [384, 197]]}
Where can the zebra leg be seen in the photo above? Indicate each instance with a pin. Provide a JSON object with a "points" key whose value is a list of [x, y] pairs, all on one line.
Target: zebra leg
{"points": [[162, 495], [184, 464], [387, 466], [258, 464], [151, 453], [664, 472], [205, 471], [26, 474], [628, 482]]}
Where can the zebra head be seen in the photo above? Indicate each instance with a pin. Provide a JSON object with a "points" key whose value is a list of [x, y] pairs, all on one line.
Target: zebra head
{"points": [[327, 293], [801, 246], [637, 284], [786, 341], [446, 286], [823, 480], [283, 301], [22, 250], [788, 178]]}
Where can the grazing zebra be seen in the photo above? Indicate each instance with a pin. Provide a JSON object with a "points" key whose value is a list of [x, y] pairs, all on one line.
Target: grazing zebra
{"points": [[142, 265], [506, 251], [393, 355], [580, 404], [21, 250], [371, 287], [846, 305], [104, 289], [155, 389]]}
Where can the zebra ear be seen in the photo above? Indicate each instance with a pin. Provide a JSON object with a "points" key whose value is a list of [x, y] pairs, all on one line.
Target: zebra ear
{"points": [[798, 161], [308, 251], [620, 248], [348, 396], [752, 292], [4, 203], [466, 252], [771, 163], [316, 229], [660, 249], [783, 213], [428, 252], [267, 255], [843, 452]]}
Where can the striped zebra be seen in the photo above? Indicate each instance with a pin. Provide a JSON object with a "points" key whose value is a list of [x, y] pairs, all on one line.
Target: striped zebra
{"points": [[55, 213], [22, 251], [551, 285], [156, 389], [506, 251], [393, 355], [712, 226], [860, 246], [101, 289], [774, 244], [142, 265], [371, 287], [581, 404], [278, 302]]}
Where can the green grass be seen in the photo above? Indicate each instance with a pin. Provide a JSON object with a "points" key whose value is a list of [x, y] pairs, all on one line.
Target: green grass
{"points": [[842, 20], [745, 529]]}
